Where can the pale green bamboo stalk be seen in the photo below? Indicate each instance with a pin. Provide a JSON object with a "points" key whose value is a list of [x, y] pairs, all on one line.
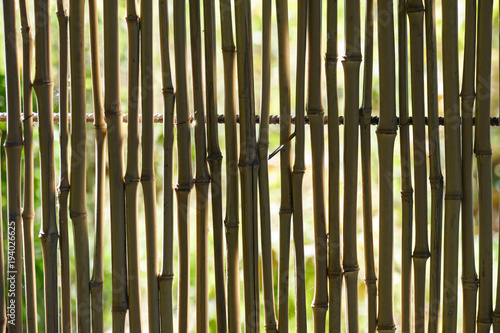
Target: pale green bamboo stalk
{"points": [[44, 86], [232, 203], [248, 164], [165, 281]]}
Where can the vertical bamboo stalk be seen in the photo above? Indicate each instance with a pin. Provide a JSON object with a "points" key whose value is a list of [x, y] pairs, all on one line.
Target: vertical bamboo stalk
{"points": [[13, 148], [113, 112], [132, 173], [29, 199], [167, 275], [214, 161], [365, 118], [97, 279], [232, 205], [415, 11], [43, 86], [482, 149], [3, 316], [453, 196], [469, 276], [406, 185], [248, 164], [185, 178], [351, 63], [299, 170], [148, 173], [264, 197]]}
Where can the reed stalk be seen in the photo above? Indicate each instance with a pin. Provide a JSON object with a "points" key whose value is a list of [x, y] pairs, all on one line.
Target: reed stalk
{"points": [[202, 178], [264, 197], [232, 205], [13, 149], [167, 275], [132, 177], [28, 214], [482, 149], [248, 164], [185, 178], [351, 63], [386, 134], [406, 185], [3, 315], [214, 161], [113, 112], [469, 276], [415, 10], [97, 279], [299, 168], [44, 86], [365, 116]]}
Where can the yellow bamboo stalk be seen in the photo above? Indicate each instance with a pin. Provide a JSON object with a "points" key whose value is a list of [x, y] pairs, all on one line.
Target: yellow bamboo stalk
{"points": [[43, 86], [13, 149], [232, 205], [113, 112]]}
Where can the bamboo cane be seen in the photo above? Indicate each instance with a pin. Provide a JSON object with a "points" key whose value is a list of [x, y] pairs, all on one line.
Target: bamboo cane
{"points": [[299, 170], [386, 134], [435, 176], [365, 113], [13, 148], [132, 173], [113, 112], [97, 279], [248, 164], [166, 278], [214, 160], [185, 179], [232, 205], [415, 11], [453, 196], [406, 185], [28, 214], [43, 86], [469, 276], [285, 163], [202, 178], [264, 196], [351, 63], [3, 315], [482, 149]]}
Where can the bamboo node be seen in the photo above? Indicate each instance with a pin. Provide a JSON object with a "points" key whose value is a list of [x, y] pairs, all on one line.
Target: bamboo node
{"points": [[94, 283], [132, 18], [214, 157], [421, 255], [75, 215], [202, 181], [351, 59], [335, 273], [410, 9], [485, 152], [63, 189], [120, 308], [386, 328], [41, 83], [28, 215], [407, 194], [286, 211], [165, 277], [470, 284], [391, 132], [313, 112], [458, 197], [315, 305], [468, 97], [371, 281], [185, 187], [130, 179], [351, 269], [230, 49], [169, 90], [13, 143], [100, 126], [331, 60], [148, 179], [113, 110]]}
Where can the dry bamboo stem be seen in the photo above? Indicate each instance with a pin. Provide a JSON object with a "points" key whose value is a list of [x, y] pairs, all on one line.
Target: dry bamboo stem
{"points": [[453, 196], [148, 179], [248, 164], [435, 176], [264, 196], [28, 214], [214, 161], [202, 178], [482, 149], [97, 279], [351, 63], [113, 112], [406, 185], [232, 206], [334, 266], [3, 316], [132, 173], [43, 86], [469, 276], [185, 179], [415, 11], [386, 134], [13, 149], [365, 118], [167, 276], [299, 170]]}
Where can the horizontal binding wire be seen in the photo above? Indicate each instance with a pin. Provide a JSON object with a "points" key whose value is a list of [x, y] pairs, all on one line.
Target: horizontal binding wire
{"points": [[273, 119]]}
